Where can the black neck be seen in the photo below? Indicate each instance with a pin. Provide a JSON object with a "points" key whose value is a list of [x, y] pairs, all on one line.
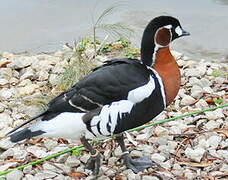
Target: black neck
{"points": [[147, 48]]}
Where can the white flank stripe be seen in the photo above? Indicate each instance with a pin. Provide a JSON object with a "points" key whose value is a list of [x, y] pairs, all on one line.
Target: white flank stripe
{"points": [[65, 125], [161, 85], [95, 120], [104, 115], [139, 94], [80, 108], [114, 116], [113, 110], [91, 101]]}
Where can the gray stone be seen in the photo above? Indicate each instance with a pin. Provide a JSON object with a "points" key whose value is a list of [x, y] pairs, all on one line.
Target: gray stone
{"points": [[50, 144], [158, 158], [213, 115], [149, 177], [187, 100], [54, 79], [214, 141], [223, 154], [72, 161], [7, 166], [57, 168], [196, 91], [118, 152], [27, 90], [195, 154], [189, 174], [28, 74], [136, 153], [7, 153], [29, 177], [210, 125], [103, 177], [46, 174], [19, 153], [84, 158], [6, 94], [15, 175], [6, 144], [27, 170], [3, 82], [112, 161], [20, 63], [202, 104], [39, 152], [62, 158], [224, 168], [161, 131]]}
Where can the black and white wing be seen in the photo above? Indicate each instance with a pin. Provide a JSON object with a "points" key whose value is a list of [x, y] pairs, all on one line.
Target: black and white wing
{"points": [[110, 82]]}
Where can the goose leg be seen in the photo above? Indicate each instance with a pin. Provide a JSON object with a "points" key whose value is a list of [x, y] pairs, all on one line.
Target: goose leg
{"points": [[94, 161], [136, 165]]}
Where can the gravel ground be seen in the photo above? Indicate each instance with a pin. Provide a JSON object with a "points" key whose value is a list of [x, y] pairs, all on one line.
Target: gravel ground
{"points": [[194, 147]]}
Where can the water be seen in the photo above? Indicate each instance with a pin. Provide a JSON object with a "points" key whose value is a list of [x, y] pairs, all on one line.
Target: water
{"points": [[44, 25]]}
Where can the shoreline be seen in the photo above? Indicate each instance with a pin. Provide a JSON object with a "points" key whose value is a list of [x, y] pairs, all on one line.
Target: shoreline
{"points": [[28, 82]]}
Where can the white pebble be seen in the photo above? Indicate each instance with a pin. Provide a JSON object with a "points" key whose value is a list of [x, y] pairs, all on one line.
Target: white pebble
{"points": [[195, 154]]}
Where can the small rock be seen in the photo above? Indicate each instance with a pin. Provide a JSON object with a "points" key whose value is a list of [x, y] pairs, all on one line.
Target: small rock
{"points": [[46, 174], [224, 168], [72, 161], [29, 177], [27, 90], [202, 104], [158, 158], [150, 178], [3, 82], [207, 90], [196, 91], [214, 141], [19, 153], [187, 100], [136, 153], [161, 131], [5, 144], [27, 170], [166, 164], [6, 94], [195, 154], [103, 177], [54, 79], [6, 119], [223, 154], [28, 74], [50, 144], [211, 125], [62, 158], [189, 174], [118, 152], [57, 167], [25, 82], [84, 158], [213, 115], [14, 175], [20, 63], [7, 166], [39, 152], [112, 161]]}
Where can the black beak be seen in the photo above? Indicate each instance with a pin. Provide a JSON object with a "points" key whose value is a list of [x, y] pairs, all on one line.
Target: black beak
{"points": [[185, 33]]}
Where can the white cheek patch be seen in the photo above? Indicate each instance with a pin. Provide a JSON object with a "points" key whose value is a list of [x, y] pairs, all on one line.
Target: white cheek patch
{"points": [[178, 30]]}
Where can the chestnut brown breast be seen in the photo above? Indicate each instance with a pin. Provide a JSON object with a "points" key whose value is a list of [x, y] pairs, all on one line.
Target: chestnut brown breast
{"points": [[168, 69]]}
